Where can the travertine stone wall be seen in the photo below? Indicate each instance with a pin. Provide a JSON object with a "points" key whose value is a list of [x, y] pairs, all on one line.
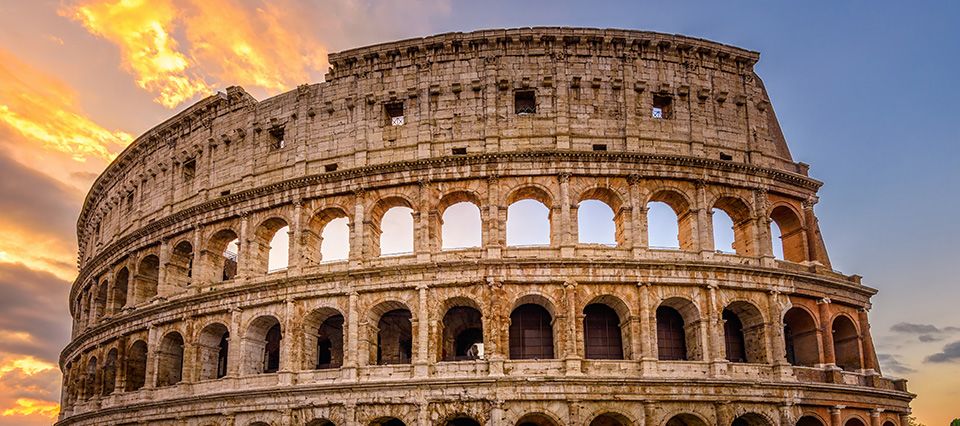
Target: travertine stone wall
{"points": [[169, 331]]}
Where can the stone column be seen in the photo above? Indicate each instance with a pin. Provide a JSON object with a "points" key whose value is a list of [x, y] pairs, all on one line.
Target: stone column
{"points": [[764, 241], [494, 322], [150, 379], [163, 287], [714, 351], [294, 232], [235, 349], [649, 413], [244, 257], [835, 419], [572, 358], [776, 346], [648, 350], [196, 262], [288, 356], [704, 222], [565, 224], [421, 368], [638, 217], [421, 218], [493, 233], [358, 250], [351, 357], [875, 416], [870, 361], [826, 332]]}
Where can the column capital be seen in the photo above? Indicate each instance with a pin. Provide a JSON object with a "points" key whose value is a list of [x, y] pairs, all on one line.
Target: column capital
{"points": [[824, 301]]}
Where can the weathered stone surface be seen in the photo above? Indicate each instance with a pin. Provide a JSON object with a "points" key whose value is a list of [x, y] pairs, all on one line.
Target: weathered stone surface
{"points": [[157, 308]]}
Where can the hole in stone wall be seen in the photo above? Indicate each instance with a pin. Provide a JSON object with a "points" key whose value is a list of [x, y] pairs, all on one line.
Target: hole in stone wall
{"points": [[528, 223], [459, 151], [726, 157], [461, 226], [277, 140], [189, 168], [394, 113], [595, 223], [335, 245], [723, 235], [662, 107], [663, 231], [330, 167], [525, 102]]}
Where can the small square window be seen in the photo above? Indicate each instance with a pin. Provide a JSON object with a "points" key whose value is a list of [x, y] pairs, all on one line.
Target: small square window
{"points": [[276, 138], [662, 106], [459, 151], [599, 147], [726, 157], [189, 169], [525, 102], [129, 201], [394, 112], [224, 193], [330, 167]]}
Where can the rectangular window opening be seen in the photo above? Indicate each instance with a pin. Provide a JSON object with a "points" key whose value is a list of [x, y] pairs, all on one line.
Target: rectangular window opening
{"points": [[224, 193], [599, 147], [459, 151], [525, 102], [189, 169], [662, 106], [726, 157], [277, 141], [330, 167], [394, 112]]}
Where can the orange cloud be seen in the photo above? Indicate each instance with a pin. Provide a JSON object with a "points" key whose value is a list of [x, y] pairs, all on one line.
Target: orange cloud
{"points": [[42, 109], [142, 31], [28, 407], [222, 40]]}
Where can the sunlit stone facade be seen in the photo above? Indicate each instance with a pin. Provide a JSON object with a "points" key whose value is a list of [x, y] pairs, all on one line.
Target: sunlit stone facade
{"points": [[171, 328]]}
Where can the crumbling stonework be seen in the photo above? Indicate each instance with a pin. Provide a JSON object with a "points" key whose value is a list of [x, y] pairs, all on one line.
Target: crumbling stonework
{"points": [[168, 329]]}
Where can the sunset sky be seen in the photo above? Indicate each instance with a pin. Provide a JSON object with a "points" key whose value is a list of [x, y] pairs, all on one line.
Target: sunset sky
{"points": [[866, 92]]}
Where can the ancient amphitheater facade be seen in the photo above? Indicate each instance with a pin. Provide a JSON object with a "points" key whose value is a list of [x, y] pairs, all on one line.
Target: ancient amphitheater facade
{"points": [[172, 328]]}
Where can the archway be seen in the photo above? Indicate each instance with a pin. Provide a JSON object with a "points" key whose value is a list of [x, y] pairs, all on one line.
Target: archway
{"points": [[531, 332], [800, 338], [395, 337], [148, 275], [261, 346], [536, 419], [170, 360], [462, 334], [685, 419], [602, 338], [136, 366], [846, 344], [213, 350]]}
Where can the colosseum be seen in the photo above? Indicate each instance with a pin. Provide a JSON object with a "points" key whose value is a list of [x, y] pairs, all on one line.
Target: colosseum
{"points": [[183, 314]]}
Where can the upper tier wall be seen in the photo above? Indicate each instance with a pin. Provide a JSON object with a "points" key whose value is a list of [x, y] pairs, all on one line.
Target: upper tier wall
{"points": [[592, 88]]}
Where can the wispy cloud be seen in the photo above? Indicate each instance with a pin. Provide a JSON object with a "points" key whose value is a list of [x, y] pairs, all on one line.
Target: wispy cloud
{"points": [[925, 332], [893, 364], [950, 353]]}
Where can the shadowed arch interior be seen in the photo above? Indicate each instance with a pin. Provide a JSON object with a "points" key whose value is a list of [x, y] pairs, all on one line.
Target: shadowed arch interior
{"points": [[213, 348], [536, 419], [792, 238], [395, 337], [118, 298], [678, 330], [602, 335], [685, 419], [323, 342], [800, 338], [462, 334], [147, 278], [809, 421], [261, 346], [136, 366], [531, 332], [744, 333], [170, 360], [846, 344], [180, 266]]}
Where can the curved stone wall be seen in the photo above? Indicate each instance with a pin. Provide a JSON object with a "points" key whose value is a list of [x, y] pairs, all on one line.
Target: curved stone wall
{"points": [[170, 327]]}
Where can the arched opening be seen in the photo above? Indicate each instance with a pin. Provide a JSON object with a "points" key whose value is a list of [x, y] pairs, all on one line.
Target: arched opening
{"points": [[100, 303], [670, 225], [326, 237], [180, 265], [662, 230], [846, 344], [261, 346], [723, 236], [221, 256], [685, 419], [388, 421], [462, 421], [324, 339], [118, 299], [744, 333], [536, 419], [462, 334], [733, 229], [602, 337], [889, 423], [461, 226], [397, 236], [809, 421], [170, 360], [610, 419], [531, 332], [750, 419], [136, 366], [271, 244], [90, 379], [800, 338], [320, 422], [395, 337], [601, 217], [148, 275], [671, 335], [734, 344], [595, 223], [528, 217], [109, 373], [335, 240], [792, 242], [854, 421], [212, 351]]}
